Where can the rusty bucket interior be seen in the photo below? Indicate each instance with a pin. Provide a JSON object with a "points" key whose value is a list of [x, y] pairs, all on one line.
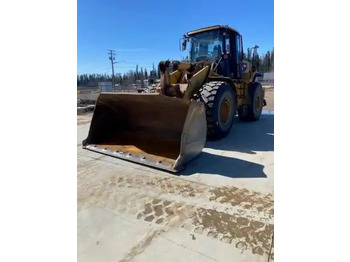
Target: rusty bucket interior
{"points": [[150, 129]]}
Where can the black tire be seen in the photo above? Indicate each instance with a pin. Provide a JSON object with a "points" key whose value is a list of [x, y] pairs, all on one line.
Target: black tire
{"points": [[252, 112], [220, 104]]}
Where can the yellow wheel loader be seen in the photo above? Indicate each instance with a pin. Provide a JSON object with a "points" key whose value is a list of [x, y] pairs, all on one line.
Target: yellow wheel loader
{"points": [[197, 99]]}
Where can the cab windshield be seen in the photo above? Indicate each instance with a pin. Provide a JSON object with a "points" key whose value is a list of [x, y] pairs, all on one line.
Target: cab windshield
{"points": [[206, 46]]}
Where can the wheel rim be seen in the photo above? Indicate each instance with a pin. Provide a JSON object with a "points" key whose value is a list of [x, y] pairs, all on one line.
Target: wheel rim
{"points": [[225, 109]]}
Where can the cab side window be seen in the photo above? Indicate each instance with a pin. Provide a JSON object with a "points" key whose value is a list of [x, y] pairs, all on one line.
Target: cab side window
{"points": [[239, 55], [227, 45]]}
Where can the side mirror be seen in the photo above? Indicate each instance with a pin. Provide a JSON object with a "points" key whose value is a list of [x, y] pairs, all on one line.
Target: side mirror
{"points": [[183, 43]]}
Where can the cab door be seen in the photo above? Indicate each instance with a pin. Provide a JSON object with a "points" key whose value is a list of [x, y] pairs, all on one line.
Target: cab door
{"points": [[225, 66], [239, 56], [231, 64]]}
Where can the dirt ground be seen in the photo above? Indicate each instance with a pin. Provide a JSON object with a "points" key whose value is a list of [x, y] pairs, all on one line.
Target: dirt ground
{"points": [[269, 96], [84, 118]]}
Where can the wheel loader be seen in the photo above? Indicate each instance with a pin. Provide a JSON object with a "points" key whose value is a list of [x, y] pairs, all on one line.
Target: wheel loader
{"points": [[197, 99]]}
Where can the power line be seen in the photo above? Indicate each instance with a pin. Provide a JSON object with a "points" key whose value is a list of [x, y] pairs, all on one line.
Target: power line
{"points": [[111, 57]]}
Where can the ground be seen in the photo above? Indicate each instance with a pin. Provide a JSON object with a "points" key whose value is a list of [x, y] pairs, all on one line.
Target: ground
{"points": [[220, 208], [269, 93]]}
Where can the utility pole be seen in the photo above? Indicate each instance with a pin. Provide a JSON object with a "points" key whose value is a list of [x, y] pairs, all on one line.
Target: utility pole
{"points": [[111, 57]]}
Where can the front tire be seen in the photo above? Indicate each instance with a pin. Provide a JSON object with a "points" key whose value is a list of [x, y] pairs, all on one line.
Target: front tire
{"points": [[220, 104]]}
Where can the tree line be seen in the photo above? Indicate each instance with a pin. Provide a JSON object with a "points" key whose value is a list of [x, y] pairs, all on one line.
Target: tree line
{"points": [[264, 63], [125, 79]]}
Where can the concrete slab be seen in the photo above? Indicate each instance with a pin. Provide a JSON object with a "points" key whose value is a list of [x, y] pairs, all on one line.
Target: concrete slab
{"points": [[82, 132], [195, 247], [104, 236], [245, 155], [219, 209], [166, 250]]}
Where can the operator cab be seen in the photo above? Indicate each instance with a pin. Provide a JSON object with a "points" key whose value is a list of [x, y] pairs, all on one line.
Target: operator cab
{"points": [[219, 44]]}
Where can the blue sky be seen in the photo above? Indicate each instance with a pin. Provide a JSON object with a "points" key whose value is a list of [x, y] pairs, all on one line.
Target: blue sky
{"points": [[146, 32]]}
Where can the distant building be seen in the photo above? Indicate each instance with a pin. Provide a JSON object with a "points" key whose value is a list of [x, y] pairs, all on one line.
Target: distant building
{"points": [[87, 87], [268, 76], [142, 83], [105, 86]]}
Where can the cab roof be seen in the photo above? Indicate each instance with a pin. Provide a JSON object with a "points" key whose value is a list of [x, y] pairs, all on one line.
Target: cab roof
{"points": [[209, 28]]}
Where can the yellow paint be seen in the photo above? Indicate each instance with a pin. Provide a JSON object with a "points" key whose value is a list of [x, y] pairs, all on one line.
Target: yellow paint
{"points": [[200, 77], [196, 81], [175, 77]]}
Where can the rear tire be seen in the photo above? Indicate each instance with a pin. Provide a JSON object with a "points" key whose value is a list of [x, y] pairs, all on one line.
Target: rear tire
{"points": [[252, 112], [220, 104]]}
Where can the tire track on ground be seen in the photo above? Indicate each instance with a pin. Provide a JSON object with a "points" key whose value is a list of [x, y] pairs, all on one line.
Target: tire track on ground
{"points": [[233, 215]]}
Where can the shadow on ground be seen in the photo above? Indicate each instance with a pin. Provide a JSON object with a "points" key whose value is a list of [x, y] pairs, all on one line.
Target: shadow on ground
{"points": [[245, 137], [225, 166]]}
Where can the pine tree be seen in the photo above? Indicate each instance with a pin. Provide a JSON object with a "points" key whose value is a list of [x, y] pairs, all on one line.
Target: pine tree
{"points": [[141, 74], [146, 74], [137, 72], [158, 73], [268, 54], [249, 55], [272, 59]]}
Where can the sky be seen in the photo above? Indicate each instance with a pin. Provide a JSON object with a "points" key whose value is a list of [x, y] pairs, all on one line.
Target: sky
{"points": [[145, 32]]}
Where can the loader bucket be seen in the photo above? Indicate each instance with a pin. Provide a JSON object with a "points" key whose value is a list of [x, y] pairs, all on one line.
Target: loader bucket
{"points": [[150, 129]]}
